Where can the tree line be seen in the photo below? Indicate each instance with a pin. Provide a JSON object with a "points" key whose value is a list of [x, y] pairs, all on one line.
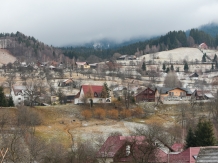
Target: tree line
{"points": [[5, 102], [172, 40], [27, 47]]}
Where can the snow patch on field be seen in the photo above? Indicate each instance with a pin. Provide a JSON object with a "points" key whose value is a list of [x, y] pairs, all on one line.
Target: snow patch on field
{"points": [[89, 130], [178, 54]]}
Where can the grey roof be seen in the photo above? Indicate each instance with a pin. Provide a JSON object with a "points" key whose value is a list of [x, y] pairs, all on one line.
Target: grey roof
{"points": [[164, 90], [208, 155]]}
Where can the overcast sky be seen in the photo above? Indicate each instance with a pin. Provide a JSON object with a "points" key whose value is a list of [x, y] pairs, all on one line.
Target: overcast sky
{"points": [[63, 22]]}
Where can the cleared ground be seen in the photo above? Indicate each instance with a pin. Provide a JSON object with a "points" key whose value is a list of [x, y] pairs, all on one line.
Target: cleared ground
{"points": [[6, 57], [179, 54]]}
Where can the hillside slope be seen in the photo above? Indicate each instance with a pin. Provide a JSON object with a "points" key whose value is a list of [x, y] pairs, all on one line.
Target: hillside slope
{"points": [[6, 57], [178, 54], [25, 47]]}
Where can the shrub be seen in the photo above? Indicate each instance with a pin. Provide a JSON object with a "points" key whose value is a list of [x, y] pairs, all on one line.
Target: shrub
{"points": [[86, 114], [125, 113], [113, 114], [137, 112], [99, 113], [28, 116]]}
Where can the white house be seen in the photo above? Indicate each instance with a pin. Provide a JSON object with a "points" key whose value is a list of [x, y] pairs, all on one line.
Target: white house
{"points": [[84, 65], [91, 92], [18, 94]]}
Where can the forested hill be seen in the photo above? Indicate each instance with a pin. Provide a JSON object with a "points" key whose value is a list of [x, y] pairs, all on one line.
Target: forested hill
{"points": [[172, 40], [211, 29], [27, 48]]}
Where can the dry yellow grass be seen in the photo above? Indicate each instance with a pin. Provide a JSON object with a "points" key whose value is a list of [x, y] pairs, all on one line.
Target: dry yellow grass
{"points": [[155, 120]]}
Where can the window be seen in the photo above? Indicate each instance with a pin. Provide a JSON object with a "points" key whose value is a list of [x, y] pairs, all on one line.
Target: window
{"points": [[182, 94], [157, 144], [171, 93], [127, 150], [95, 94]]}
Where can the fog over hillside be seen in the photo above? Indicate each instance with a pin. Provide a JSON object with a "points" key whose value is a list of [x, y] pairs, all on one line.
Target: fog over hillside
{"points": [[61, 23]]}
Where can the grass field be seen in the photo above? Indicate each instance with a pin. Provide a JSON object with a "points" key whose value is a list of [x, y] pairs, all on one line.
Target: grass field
{"points": [[63, 123]]}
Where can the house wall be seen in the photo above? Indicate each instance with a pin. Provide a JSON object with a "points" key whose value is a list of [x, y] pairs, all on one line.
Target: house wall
{"points": [[86, 66], [105, 160], [157, 95], [54, 99], [146, 95], [95, 100], [83, 66], [185, 156], [176, 92], [18, 99], [175, 97]]}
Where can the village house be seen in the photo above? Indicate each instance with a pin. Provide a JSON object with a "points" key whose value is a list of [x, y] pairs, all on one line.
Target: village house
{"points": [[121, 90], [93, 65], [203, 95], [123, 57], [118, 149], [65, 82], [18, 94], [129, 149], [91, 92], [173, 94], [82, 65], [52, 67], [194, 76], [147, 95], [208, 154], [203, 46], [187, 156], [196, 155], [54, 100]]}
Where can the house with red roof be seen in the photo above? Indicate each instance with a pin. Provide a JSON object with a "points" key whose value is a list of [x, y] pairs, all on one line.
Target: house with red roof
{"points": [[203, 46], [91, 92], [130, 149], [178, 147], [187, 156]]}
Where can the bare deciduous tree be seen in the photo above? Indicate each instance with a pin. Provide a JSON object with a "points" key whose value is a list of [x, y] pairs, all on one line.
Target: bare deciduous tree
{"points": [[171, 80]]}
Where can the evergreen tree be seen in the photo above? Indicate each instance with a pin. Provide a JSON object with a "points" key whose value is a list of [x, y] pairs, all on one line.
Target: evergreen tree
{"points": [[3, 101], [143, 66], [172, 68], [204, 58], [216, 64], [190, 139], [10, 102], [215, 58], [105, 91], [164, 67], [204, 134], [167, 70], [186, 67]]}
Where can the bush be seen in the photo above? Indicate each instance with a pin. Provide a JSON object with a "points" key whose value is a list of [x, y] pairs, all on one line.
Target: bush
{"points": [[113, 114], [99, 113], [125, 113], [28, 116], [87, 114], [137, 112]]}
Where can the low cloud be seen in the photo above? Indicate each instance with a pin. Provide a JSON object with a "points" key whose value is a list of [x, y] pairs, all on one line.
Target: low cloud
{"points": [[67, 22]]}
